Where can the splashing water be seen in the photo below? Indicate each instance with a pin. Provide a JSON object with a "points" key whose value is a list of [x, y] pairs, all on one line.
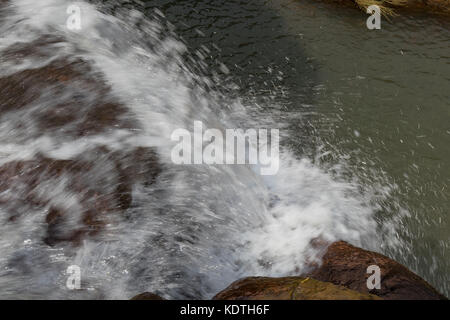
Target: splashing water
{"points": [[191, 230]]}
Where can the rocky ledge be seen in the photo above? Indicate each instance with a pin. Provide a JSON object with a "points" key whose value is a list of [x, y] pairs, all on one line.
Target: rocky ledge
{"points": [[395, 7], [341, 276]]}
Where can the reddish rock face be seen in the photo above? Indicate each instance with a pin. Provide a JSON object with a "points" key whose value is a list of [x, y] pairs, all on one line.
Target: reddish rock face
{"points": [[346, 265], [342, 276]]}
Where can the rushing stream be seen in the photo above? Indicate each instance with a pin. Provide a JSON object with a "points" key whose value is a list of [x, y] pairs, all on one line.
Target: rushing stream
{"points": [[365, 134]]}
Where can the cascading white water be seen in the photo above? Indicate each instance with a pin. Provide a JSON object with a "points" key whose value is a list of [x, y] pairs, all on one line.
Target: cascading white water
{"points": [[198, 227]]}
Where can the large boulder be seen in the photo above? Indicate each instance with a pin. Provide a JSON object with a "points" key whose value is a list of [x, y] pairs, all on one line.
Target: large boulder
{"points": [[346, 265], [289, 288], [65, 98], [341, 276]]}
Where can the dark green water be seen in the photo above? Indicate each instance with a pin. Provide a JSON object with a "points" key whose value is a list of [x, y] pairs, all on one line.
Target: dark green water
{"points": [[376, 100]]}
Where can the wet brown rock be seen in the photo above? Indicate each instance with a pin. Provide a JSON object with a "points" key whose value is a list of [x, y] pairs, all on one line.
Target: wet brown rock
{"points": [[73, 98], [341, 276], [346, 265], [289, 288], [102, 183], [67, 99], [141, 165], [147, 296]]}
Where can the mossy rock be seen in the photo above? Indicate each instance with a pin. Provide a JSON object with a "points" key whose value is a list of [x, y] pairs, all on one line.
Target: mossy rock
{"points": [[289, 288]]}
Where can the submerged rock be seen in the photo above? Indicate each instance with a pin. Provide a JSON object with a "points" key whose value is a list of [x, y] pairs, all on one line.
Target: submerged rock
{"points": [[147, 296], [65, 102], [346, 265], [289, 288], [65, 98]]}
